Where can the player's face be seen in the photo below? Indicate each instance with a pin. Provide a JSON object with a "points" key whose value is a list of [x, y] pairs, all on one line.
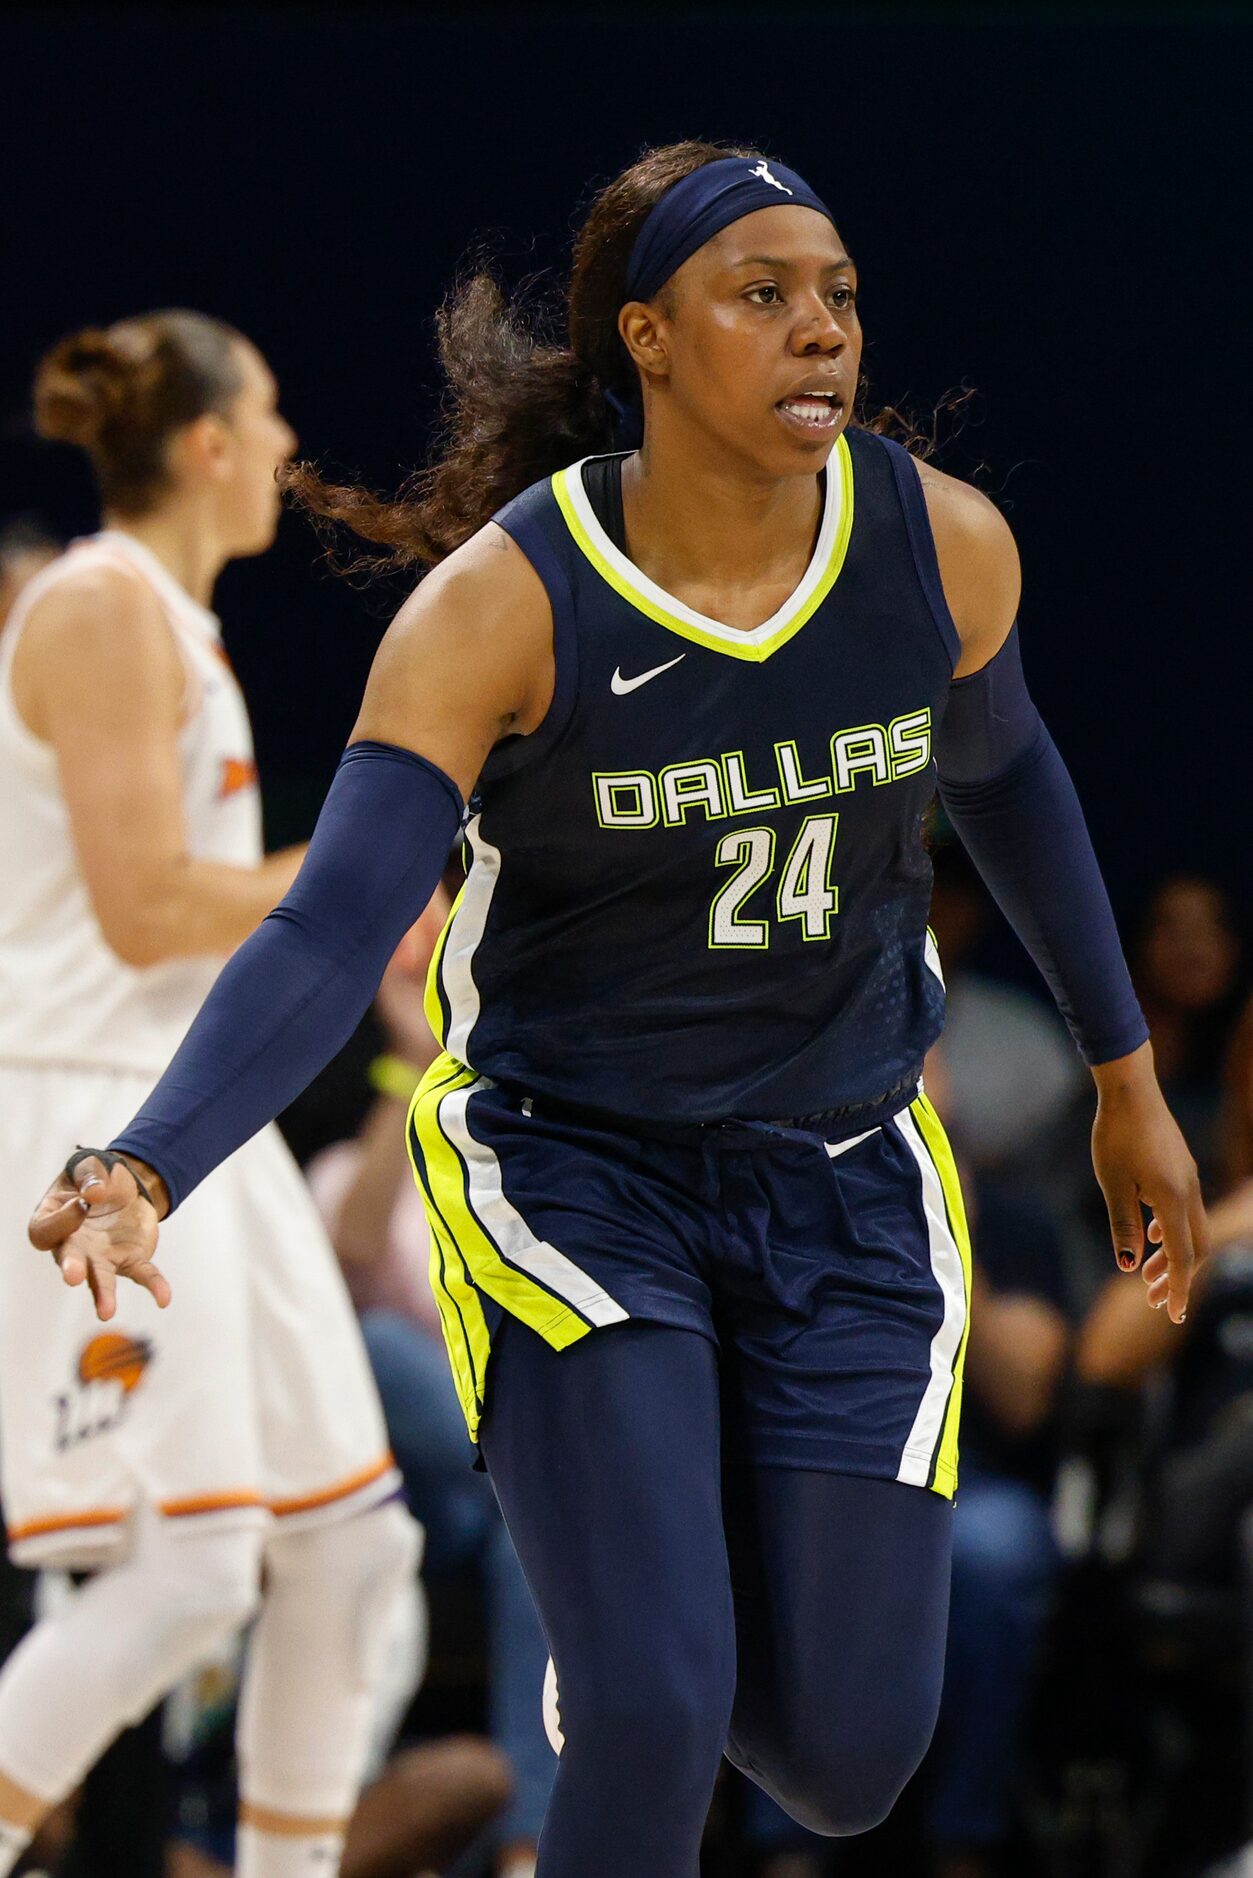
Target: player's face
{"points": [[762, 341], [258, 441]]}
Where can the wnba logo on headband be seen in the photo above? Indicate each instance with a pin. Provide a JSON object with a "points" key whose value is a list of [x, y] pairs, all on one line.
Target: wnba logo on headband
{"points": [[762, 169]]}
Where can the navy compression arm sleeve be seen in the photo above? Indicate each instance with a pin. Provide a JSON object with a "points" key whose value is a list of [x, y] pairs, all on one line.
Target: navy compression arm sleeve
{"points": [[293, 993], [1011, 801]]}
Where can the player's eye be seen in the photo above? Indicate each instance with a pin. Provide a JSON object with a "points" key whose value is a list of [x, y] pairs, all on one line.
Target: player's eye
{"points": [[844, 298], [765, 293]]}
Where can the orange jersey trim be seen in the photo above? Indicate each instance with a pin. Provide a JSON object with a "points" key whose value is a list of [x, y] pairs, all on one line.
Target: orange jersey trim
{"points": [[310, 1501], [68, 1522], [208, 1503]]}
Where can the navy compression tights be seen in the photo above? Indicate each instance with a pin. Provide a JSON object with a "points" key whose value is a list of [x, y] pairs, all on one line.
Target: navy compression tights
{"points": [[792, 1619]]}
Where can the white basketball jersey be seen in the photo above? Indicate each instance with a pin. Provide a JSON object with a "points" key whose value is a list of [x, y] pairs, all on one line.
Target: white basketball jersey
{"points": [[65, 997]]}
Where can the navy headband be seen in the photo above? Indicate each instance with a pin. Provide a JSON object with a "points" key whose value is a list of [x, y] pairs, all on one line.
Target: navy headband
{"points": [[700, 206]]}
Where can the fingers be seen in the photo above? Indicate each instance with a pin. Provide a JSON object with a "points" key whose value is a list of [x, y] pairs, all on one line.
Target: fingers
{"points": [[98, 1229], [153, 1281], [73, 1267], [1199, 1219], [59, 1213], [103, 1282], [1126, 1226], [91, 1179], [65, 1204], [1156, 1275], [1179, 1254], [104, 1188], [1156, 1270]]}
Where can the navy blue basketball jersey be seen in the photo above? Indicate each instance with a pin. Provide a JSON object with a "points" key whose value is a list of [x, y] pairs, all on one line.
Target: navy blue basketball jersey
{"points": [[699, 890]]}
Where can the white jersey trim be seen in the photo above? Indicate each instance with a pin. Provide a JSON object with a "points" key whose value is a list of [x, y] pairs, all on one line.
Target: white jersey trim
{"points": [[507, 1229], [465, 935], [819, 564]]}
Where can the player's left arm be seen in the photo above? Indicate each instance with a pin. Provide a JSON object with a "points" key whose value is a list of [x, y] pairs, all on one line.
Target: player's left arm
{"points": [[1010, 799]]}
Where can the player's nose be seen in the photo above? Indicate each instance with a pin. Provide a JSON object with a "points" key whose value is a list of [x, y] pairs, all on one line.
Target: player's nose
{"points": [[818, 330]]}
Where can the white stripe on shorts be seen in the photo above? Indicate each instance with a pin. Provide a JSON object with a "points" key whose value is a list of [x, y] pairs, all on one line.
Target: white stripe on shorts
{"points": [[505, 1226], [946, 1265]]}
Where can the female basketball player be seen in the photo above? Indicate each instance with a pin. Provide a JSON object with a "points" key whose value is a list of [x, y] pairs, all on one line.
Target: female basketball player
{"points": [[179, 1454], [700, 1245]]}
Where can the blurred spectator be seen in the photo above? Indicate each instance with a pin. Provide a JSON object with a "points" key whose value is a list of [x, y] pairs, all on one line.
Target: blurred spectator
{"points": [[1195, 1551], [1186, 959], [370, 1202], [1004, 1558], [25, 549], [1012, 1069]]}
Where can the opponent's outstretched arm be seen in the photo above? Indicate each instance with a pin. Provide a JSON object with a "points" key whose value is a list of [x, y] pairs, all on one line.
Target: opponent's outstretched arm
{"points": [[468, 660], [1012, 803]]}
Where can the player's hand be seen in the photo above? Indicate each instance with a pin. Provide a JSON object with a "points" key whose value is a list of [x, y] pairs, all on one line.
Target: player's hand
{"points": [[98, 1227], [1141, 1159]]}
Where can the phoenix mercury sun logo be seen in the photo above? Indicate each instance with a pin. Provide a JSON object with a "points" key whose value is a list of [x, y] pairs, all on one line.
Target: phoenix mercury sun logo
{"points": [[109, 1370], [762, 170]]}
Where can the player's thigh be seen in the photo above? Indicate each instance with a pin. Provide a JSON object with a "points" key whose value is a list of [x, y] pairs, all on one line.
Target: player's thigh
{"points": [[605, 1459], [843, 1321]]}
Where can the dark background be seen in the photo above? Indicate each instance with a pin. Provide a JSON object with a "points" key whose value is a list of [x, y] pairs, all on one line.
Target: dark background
{"points": [[1051, 205]]}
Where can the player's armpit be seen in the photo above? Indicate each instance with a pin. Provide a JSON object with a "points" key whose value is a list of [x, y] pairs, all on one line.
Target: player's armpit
{"points": [[467, 660]]}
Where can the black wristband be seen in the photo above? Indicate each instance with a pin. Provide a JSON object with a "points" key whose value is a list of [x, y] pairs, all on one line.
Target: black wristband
{"points": [[108, 1160]]}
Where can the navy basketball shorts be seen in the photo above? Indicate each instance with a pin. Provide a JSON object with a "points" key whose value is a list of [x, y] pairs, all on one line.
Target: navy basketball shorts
{"points": [[834, 1277]]}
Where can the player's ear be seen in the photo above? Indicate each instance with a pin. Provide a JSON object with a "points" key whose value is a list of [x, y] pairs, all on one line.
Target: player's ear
{"points": [[640, 326], [204, 448]]}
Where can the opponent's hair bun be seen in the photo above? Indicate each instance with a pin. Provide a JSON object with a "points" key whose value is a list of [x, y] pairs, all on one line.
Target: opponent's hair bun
{"points": [[120, 392], [87, 382]]}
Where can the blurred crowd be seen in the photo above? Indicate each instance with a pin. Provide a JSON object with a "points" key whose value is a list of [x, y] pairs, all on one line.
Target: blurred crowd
{"points": [[1099, 1681]]}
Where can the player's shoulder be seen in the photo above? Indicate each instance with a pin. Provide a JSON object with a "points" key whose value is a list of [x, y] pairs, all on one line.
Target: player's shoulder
{"points": [[482, 609], [977, 556], [99, 634], [485, 582], [84, 596], [966, 518]]}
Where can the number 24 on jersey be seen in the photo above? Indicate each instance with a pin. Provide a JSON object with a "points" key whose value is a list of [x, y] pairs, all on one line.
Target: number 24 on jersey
{"points": [[805, 891]]}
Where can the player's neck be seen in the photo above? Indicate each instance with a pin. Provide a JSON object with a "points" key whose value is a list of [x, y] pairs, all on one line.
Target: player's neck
{"points": [[690, 519], [178, 536]]}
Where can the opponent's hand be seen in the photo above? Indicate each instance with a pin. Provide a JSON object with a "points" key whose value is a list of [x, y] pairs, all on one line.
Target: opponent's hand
{"points": [[1141, 1159], [99, 1227]]}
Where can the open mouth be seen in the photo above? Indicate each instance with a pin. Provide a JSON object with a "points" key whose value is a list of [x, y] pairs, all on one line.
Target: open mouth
{"points": [[817, 413]]}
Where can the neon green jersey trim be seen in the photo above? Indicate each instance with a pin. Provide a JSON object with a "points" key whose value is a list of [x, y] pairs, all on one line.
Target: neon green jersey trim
{"points": [[755, 652]]}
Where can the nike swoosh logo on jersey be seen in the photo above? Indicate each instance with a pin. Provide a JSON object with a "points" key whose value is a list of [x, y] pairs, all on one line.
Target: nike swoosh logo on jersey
{"points": [[620, 685]]}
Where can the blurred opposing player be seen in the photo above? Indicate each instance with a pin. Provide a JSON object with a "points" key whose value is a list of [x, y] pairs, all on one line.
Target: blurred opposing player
{"points": [[179, 1455]]}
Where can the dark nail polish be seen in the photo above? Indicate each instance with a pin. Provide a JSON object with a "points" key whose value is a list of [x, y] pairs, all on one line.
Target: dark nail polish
{"points": [[1127, 1260]]}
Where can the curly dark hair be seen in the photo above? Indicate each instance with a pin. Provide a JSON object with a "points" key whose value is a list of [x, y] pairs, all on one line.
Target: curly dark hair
{"points": [[520, 404]]}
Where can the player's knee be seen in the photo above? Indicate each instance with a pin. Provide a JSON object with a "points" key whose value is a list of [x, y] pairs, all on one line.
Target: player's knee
{"points": [[206, 1589], [347, 1579], [841, 1786]]}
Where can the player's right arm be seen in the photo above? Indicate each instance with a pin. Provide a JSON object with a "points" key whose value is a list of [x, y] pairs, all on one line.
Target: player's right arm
{"points": [[468, 660], [97, 676]]}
